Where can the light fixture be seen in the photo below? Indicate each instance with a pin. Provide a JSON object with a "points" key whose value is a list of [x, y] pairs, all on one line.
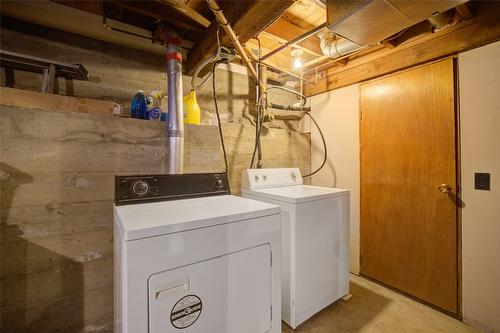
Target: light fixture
{"points": [[297, 60]]}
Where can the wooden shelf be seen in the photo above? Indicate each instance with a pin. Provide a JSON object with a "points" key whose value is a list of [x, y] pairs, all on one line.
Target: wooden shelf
{"points": [[53, 102]]}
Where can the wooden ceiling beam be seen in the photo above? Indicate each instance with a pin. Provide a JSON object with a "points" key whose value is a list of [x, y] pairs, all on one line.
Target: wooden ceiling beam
{"points": [[284, 30], [162, 11], [93, 7], [279, 60], [180, 7], [464, 11], [247, 19], [298, 46], [180, 16]]}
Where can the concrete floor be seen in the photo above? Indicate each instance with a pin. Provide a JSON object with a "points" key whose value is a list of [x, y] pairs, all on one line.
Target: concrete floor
{"points": [[376, 309]]}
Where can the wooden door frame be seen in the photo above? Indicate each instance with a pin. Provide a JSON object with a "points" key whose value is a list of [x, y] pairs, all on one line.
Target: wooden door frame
{"points": [[458, 176]]}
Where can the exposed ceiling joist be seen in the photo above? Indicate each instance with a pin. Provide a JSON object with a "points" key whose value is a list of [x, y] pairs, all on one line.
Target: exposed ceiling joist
{"points": [[247, 20], [278, 60], [93, 7], [188, 11], [281, 64], [286, 31], [167, 11], [464, 11]]}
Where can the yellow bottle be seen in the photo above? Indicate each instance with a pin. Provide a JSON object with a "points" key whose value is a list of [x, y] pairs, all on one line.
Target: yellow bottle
{"points": [[192, 112]]}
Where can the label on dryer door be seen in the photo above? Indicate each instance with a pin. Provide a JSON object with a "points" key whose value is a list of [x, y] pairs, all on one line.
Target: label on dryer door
{"points": [[186, 311]]}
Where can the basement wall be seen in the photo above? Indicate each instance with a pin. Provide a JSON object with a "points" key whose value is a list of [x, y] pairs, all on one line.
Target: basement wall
{"points": [[57, 171], [337, 112], [479, 80]]}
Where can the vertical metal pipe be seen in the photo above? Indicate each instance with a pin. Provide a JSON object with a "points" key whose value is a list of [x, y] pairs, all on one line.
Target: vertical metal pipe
{"points": [[175, 105]]}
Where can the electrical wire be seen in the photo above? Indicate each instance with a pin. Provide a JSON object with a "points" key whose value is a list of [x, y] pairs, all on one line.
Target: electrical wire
{"points": [[324, 147], [291, 91], [219, 123], [195, 86], [215, 57]]}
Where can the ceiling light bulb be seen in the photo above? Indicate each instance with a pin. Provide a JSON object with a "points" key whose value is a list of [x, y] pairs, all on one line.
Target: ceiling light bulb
{"points": [[297, 60], [297, 63]]}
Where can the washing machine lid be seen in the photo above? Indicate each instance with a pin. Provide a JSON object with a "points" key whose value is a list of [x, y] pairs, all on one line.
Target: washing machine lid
{"points": [[166, 217], [297, 193]]}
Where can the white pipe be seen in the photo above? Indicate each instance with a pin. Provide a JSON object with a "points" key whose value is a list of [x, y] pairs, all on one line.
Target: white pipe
{"points": [[175, 105]]}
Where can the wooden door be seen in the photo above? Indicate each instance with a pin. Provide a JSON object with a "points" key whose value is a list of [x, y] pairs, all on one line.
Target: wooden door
{"points": [[408, 149]]}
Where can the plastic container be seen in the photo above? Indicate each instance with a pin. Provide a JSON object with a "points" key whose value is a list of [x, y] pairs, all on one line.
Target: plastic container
{"points": [[164, 116], [154, 113], [138, 106], [192, 111]]}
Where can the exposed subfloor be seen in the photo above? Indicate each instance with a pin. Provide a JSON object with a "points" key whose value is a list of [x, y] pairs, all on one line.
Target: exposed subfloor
{"points": [[376, 309]]}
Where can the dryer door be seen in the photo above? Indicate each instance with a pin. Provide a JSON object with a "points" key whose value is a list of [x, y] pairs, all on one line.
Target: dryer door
{"points": [[226, 294]]}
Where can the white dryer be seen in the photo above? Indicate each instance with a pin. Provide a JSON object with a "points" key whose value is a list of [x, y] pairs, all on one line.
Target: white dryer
{"points": [[207, 262], [314, 240]]}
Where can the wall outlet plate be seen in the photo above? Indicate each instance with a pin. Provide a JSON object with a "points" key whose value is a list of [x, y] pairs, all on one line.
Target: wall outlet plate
{"points": [[482, 181]]}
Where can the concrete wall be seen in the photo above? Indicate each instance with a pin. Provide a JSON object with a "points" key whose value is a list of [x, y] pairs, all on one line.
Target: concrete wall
{"points": [[479, 73], [57, 168], [337, 112], [56, 173]]}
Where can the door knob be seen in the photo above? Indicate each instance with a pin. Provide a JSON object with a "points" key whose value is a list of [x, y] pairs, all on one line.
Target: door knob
{"points": [[444, 188]]}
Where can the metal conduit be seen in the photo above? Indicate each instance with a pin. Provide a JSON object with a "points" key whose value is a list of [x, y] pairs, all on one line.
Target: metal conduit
{"points": [[334, 47]]}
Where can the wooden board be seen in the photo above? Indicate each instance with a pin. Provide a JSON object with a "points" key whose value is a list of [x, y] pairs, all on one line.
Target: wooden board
{"points": [[53, 102], [307, 14], [287, 31], [408, 227]]}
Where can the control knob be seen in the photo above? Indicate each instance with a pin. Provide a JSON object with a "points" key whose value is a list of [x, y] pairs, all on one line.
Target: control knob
{"points": [[219, 184], [140, 188]]}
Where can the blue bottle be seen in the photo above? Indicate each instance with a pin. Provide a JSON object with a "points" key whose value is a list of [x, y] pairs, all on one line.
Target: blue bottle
{"points": [[138, 106]]}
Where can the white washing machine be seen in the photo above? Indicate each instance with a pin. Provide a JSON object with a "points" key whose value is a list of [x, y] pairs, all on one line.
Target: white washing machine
{"points": [[314, 240], [206, 262]]}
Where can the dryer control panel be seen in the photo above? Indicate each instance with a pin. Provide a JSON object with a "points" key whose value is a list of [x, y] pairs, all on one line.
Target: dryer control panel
{"points": [[151, 188]]}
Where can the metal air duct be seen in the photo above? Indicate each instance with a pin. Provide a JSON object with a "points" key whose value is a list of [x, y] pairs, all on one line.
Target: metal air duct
{"points": [[367, 22], [334, 47]]}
